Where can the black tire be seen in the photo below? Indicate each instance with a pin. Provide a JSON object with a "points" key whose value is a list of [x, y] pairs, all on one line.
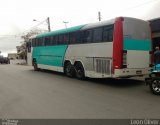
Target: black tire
{"points": [[79, 71], [35, 66], [69, 69], [155, 86]]}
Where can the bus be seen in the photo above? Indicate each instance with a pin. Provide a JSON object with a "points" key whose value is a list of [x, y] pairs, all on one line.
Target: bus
{"points": [[117, 48]]}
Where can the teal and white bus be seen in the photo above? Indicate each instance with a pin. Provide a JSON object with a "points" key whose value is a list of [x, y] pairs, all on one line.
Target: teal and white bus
{"points": [[117, 48]]}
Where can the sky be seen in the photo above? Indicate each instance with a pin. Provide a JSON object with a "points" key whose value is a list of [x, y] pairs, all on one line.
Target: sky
{"points": [[17, 15]]}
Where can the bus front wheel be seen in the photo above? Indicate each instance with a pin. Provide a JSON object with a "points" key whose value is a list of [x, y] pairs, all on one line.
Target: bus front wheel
{"points": [[69, 69]]}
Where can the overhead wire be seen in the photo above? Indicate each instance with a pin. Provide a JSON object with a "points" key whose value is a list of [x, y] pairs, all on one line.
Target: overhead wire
{"points": [[142, 4], [20, 34], [31, 28]]}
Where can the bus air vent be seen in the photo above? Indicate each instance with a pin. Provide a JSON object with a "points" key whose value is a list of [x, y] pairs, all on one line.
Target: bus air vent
{"points": [[103, 66]]}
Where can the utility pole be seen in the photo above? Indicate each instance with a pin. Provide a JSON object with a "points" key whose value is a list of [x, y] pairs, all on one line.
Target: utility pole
{"points": [[99, 16], [48, 22], [65, 23]]}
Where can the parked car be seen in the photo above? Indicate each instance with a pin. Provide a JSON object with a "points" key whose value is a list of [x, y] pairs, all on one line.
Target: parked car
{"points": [[4, 60], [1, 59]]}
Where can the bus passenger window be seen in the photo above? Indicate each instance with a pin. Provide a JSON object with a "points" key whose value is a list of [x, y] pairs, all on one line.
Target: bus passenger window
{"points": [[56, 40], [108, 33], [47, 41], [79, 37], [39, 42], [97, 35], [36, 41], [66, 38], [50, 40], [105, 36], [53, 42], [61, 40], [87, 36], [72, 38]]}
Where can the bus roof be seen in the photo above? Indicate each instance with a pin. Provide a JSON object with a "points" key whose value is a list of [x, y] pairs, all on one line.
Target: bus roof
{"points": [[81, 27], [76, 28], [62, 31], [99, 24]]}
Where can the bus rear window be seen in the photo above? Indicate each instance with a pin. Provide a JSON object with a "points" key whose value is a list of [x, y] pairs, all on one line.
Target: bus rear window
{"points": [[136, 29]]}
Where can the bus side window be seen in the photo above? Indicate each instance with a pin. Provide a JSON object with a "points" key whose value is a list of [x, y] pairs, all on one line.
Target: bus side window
{"points": [[57, 40], [47, 41], [53, 41], [87, 36], [50, 40], [76, 37], [61, 41], [36, 42], [66, 38], [108, 33], [97, 35], [39, 42], [79, 37], [72, 38]]}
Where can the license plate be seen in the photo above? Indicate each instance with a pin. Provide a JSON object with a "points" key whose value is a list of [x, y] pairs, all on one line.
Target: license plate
{"points": [[139, 72]]}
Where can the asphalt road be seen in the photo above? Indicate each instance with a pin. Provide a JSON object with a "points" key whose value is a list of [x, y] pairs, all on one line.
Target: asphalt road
{"points": [[25, 93]]}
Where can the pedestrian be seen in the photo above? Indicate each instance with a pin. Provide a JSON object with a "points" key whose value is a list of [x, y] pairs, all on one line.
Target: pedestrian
{"points": [[157, 55]]}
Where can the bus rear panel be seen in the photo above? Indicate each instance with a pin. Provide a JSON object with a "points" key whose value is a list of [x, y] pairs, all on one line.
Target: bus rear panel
{"points": [[134, 48]]}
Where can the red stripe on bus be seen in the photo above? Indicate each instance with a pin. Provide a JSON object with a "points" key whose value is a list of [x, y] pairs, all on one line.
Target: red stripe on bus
{"points": [[118, 44], [152, 51]]}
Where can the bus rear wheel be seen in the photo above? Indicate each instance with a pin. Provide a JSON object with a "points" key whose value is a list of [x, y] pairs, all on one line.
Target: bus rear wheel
{"points": [[79, 71], [69, 69]]}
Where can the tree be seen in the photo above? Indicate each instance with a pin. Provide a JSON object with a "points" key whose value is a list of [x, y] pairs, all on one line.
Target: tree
{"points": [[31, 33], [26, 37]]}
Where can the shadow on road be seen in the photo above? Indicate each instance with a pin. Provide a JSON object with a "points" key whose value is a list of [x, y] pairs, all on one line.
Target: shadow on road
{"points": [[120, 83], [117, 82], [49, 72]]}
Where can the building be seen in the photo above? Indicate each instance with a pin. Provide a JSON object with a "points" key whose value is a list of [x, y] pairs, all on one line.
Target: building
{"points": [[12, 56]]}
